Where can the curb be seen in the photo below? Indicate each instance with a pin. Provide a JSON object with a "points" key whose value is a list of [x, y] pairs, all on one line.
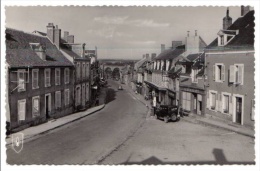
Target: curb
{"points": [[44, 132], [216, 126]]}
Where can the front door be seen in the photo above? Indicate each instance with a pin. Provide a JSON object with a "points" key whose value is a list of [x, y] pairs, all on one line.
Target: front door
{"points": [[239, 110], [195, 103], [47, 105]]}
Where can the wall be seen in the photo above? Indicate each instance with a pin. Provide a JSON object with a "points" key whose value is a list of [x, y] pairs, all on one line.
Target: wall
{"points": [[247, 89]]}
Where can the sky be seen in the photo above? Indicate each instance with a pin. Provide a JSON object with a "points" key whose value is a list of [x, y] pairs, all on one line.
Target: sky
{"points": [[123, 32]]}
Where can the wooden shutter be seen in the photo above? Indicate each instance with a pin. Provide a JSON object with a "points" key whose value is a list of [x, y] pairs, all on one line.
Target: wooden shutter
{"points": [[213, 72], [240, 74], [219, 102], [223, 72], [232, 74], [21, 112], [230, 105]]}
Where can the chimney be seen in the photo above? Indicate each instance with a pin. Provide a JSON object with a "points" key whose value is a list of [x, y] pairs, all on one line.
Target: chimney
{"points": [[227, 20], [147, 57], [66, 34], [143, 56], [153, 55], [188, 33], [70, 39], [244, 10], [57, 36], [176, 43], [162, 47], [50, 32], [195, 32], [83, 50]]}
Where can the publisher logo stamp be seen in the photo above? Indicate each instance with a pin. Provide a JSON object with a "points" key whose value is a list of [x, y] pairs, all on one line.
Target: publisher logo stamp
{"points": [[17, 142]]}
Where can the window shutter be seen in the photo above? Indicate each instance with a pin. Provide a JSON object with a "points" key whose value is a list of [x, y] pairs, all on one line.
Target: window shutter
{"points": [[253, 109], [22, 110], [240, 74], [223, 73], [230, 105], [232, 74], [213, 72]]}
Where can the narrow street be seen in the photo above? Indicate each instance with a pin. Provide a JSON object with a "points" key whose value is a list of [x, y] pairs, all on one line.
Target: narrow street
{"points": [[121, 133], [90, 139]]}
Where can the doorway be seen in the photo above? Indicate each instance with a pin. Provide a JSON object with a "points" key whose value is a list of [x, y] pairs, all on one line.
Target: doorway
{"points": [[195, 103], [47, 105], [238, 110]]}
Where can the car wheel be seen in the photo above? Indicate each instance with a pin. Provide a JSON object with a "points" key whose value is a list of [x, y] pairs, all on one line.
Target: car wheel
{"points": [[174, 118], [166, 119]]}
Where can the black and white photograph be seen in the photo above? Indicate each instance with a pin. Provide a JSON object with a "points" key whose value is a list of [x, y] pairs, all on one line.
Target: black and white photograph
{"points": [[129, 85]]}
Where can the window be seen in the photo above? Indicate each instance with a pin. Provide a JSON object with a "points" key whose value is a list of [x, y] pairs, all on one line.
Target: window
{"points": [[21, 109], [67, 97], [35, 78], [83, 70], [194, 74], [225, 103], [78, 70], [78, 95], [87, 92], [21, 80], [57, 76], [186, 101], [57, 99], [236, 74], [183, 68], [35, 106], [222, 40], [213, 100], [67, 75], [47, 73], [87, 70], [253, 110], [219, 72], [83, 95]]}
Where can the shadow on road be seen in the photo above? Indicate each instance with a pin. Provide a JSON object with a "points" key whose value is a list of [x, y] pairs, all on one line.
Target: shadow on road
{"points": [[110, 95], [219, 155]]}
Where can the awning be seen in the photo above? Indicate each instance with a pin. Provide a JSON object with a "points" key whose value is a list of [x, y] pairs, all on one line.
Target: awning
{"points": [[155, 86]]}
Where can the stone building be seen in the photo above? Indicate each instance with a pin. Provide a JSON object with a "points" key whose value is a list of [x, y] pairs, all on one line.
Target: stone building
{"points": [[40, 85], [229, 63]]}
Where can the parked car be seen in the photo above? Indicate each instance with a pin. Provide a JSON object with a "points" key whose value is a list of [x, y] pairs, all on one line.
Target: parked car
{"points": [[167, 113], [120, 87]]}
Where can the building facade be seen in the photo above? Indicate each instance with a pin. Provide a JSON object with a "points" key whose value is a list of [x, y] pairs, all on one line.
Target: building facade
{"points": [[229, 63], [40, 85]]}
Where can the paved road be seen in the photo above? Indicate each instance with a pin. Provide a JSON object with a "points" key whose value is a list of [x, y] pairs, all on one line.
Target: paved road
{"points": [[121, 134], [89, 140]]}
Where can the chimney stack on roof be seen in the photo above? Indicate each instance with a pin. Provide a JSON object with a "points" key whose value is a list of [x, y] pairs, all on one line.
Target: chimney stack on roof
{"points": [[50, 31], [153, 55], [70, 39], [66, 34], [143, 56], [147, 57], [227, 20], [244, 10], [57, 37], [162, 47]]}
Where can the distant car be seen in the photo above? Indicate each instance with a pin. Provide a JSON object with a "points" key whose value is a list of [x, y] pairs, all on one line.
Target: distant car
{"points": [[120, 87], [167, 113]]}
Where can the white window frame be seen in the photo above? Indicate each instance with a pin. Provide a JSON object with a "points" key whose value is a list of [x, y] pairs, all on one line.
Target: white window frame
{"points": [[78, 68], [35, 114], [243, 68], [194, 73], [87, 92], [57, 103], [229, 97], [33, 75], [66, 76], [83, 70], [18, 108], [210, 100], [21, 84], [45, 77], [66, 97], [234, 108], [216, 73], [57, 77]]}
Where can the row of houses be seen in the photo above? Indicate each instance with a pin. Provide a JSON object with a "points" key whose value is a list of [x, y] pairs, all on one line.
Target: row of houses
{"points": [[48, 76], [215, 79]]}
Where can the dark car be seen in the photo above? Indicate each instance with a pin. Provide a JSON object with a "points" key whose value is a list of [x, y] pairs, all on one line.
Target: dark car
{"points": [[167, 113]]}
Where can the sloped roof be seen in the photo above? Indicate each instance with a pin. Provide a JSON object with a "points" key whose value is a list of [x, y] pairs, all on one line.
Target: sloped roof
{"points": [[20, 54], [139, 63], [192, 57], [67, 49], [245, 37], [171, 53]]}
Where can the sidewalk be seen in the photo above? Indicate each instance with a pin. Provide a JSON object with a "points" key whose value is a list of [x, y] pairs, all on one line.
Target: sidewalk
{"points": [[53, 124], [226, 125], [207, 120]]}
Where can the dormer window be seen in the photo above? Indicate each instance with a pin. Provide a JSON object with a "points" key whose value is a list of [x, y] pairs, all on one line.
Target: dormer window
{"points": [[39, 50], [225, 36]]}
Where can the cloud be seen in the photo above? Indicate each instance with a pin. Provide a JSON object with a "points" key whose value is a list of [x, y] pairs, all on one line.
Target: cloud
{"points": [[108, 32], [111, 20], [126, 21]]}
